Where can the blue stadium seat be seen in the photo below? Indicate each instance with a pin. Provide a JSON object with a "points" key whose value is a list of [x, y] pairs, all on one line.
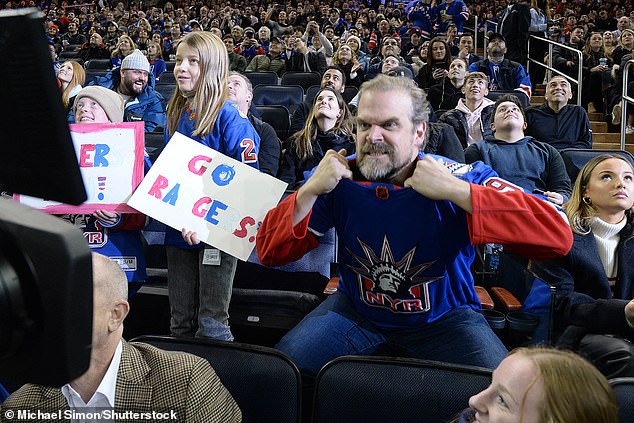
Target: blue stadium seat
{"points": [[521, 96], [92, 74], [278, 117], [277, 95], [303, 79], [167, 78], [166, 90], [66, 55], [262, 78], [624, 391], [348, 94], [98, 64], [576, 158]]}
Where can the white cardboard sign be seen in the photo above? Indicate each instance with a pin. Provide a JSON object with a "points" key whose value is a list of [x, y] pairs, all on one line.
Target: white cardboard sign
{"points": [[195, 187]]}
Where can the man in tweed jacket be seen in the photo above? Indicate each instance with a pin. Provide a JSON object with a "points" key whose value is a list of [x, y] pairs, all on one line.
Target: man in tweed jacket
{"points": [[146, 379]]}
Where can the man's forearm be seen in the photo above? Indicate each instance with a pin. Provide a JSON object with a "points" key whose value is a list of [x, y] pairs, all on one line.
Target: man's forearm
{"points": [[304, 202], [461, 196]]}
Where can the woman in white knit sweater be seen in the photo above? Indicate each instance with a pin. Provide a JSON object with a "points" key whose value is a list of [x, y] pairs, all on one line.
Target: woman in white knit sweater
{"points": [[594, 310]]}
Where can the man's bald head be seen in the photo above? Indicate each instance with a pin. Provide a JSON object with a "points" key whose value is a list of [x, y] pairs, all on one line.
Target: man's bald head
{"points": [[109, 281]]}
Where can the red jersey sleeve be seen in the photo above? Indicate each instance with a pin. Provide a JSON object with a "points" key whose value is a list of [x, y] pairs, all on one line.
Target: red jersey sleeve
{"points": [[132, 222], [277, 241], [523, 223]]}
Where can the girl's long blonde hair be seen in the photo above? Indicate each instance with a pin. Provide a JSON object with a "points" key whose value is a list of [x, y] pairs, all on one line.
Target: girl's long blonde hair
{"points": [[210, 90]]}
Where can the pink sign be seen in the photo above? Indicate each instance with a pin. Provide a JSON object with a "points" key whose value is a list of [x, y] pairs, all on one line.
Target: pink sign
{"points": [[110, 157]]}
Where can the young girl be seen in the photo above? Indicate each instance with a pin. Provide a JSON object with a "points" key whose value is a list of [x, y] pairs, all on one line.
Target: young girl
{"points": [[200, 279], [155, 56]]}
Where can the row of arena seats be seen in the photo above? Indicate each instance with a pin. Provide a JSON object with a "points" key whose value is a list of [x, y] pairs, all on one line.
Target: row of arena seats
{"points": [[267, 385], [274, 103]]}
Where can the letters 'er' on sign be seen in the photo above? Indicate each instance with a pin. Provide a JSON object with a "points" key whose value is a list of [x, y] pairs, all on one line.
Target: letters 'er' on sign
{"points": [[110, 157], [192, 186]]}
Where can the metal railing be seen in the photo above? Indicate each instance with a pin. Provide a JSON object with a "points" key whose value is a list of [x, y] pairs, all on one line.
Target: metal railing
{"points": [[625, 99], [550, 67], [476, 34], [486, 37], [539, 61]]}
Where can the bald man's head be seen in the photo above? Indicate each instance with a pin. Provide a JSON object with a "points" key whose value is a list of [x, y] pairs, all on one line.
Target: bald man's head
{"points": [[109, 281]]}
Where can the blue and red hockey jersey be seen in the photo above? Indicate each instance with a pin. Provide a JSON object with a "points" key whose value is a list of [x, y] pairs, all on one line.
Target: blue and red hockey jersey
{"points": [[405, 259]]}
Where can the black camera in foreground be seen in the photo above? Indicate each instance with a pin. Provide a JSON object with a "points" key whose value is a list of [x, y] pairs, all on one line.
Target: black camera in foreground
{"points": [[45, 264]]}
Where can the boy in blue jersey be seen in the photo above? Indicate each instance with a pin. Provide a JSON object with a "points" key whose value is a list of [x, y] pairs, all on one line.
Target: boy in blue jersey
{"points": [[406, 223]]}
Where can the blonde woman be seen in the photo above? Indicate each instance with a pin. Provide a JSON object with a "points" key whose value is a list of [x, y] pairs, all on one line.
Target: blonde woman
{"points": [[125, 46], [609, 43], [595, 280], [199, 293], [347, 61]]}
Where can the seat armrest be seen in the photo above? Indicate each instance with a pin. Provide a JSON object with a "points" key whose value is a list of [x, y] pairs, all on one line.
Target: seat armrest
{"points": [[506, 299], [485, 298], [332, 286]]}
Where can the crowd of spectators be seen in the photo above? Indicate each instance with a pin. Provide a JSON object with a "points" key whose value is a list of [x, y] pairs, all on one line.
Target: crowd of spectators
{"points": [[309, 36]]}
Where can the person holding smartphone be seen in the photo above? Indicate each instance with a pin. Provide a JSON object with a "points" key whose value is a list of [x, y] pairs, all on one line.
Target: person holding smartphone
{"points": [[437, 66]]}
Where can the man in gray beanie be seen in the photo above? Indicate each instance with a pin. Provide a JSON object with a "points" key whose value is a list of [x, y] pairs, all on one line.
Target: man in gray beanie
{"points": [[132, 81]]}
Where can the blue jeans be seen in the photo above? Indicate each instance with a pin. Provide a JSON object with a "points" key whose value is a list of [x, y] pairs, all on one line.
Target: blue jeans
{"points": [[335, 329], [199, 294]]}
